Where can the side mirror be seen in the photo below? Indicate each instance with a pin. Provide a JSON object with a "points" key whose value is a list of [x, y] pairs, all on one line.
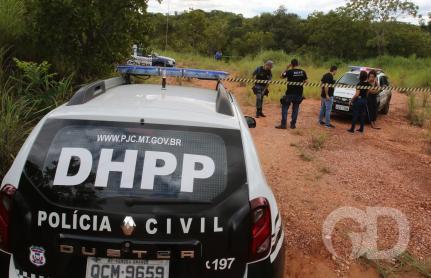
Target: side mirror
{"points": [[251, 122]]}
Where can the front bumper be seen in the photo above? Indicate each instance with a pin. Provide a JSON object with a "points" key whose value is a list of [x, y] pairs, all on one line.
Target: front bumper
{"points": [[341, 105], [265, 268]]}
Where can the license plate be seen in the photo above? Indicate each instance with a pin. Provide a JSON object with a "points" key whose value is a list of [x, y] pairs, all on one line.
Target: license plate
{"points": [[119, 268], [342, 107]]}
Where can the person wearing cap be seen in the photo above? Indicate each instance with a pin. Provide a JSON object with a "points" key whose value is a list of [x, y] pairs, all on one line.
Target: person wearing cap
{"points": [[261, 89], [294, 93]]}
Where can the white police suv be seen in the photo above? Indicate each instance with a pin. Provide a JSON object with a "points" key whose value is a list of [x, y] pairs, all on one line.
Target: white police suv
{"points": [[342, 96], [141, 181]]}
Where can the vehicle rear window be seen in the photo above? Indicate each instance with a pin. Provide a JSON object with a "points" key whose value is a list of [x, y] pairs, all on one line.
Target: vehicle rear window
{"points": [[349, 79], [89, 162]]}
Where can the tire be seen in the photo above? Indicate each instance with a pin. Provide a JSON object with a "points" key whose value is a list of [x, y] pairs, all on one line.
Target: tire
{"points": [[385, 109]]}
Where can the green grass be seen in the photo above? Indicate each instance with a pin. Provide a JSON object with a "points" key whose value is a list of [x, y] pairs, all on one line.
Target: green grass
{"points": [[25, 97], [403, 265], [419, 110], [318, 140], [402, 72]]}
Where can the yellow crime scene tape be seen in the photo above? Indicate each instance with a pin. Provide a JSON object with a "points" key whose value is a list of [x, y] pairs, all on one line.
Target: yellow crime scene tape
{"points": [[183, 73], [320, 85]]}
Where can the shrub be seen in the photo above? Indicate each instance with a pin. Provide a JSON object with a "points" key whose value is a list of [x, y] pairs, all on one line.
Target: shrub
{"points": [[419, 110], [25, 97], [318, 140]]}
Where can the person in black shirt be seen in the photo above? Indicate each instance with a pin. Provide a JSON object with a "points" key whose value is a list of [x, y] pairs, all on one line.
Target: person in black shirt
{"points": [[260, 89], [327, 98], [359, 102], [293, 93], [372, 99]]}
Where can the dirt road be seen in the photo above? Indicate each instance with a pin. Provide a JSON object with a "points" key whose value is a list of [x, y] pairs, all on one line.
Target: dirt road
{"points": [[311, 178], [382, 168]]}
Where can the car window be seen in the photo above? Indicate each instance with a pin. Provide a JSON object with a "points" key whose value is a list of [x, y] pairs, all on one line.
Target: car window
{"points": [[349, 79], [87, 162]]}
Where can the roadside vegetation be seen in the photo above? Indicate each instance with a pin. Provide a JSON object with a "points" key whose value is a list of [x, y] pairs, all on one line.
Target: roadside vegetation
{"points": [[25, 96], [404, 265], [402, 71]]}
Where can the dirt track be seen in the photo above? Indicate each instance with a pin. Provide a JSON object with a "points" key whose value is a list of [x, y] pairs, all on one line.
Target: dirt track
{"points": [[390, 167], [382, 168]]}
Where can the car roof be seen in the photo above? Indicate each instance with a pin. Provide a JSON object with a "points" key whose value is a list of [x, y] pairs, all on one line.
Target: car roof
{"points": [[176, 105], [380, 73]]}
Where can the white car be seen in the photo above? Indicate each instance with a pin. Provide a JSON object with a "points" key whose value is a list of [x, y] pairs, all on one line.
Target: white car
{"points": [[137, 181], [342, 96]]}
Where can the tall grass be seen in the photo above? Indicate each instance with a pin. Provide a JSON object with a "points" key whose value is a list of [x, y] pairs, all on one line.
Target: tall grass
{"points": [[25, 96], [11, 21], [402, 71]]}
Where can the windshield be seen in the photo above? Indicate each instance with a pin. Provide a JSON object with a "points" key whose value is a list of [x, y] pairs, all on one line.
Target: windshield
{"points": [[349, 79], [88, 163]]}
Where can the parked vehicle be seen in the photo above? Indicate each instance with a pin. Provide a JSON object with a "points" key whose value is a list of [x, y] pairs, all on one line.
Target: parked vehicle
{"points": [[342, 96], [154, 59], [136, 180]]}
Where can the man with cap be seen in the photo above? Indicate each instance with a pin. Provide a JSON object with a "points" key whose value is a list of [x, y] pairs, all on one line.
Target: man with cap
{"points": [[261, 89], [293, 93]]}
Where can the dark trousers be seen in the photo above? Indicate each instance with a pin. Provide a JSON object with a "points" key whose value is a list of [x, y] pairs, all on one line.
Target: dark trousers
{"points": [[259, 101], [372, 107], [359, 108], [295, 100]]}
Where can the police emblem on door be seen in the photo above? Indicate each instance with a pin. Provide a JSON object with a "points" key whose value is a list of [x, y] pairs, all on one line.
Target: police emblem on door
{"points": [[37, 256], [128, 226]]}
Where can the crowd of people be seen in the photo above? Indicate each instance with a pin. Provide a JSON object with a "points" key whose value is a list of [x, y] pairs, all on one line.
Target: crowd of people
{"points": [[363, 103]]}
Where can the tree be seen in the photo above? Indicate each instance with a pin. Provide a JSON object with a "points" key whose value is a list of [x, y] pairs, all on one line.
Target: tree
{"points": [[253, 43], [381, 11], [336, 35], [86, 37], [285, 27]]}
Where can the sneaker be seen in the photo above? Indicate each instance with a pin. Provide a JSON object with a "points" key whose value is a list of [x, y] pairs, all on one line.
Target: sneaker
{"points": [[360, 130], [280, 127], [262, 115], [321, 122], [292, 126], [351, 130], [330, 126]]}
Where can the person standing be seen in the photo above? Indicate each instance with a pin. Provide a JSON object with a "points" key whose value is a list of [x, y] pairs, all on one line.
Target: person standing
{"points": [[359, 102], [372, 99], [327, 97], [261, 89], [218, 55], [293, 93]]}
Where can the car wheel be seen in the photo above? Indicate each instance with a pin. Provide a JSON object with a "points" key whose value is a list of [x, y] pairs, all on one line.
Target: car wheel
{"points": [[385, 109]]}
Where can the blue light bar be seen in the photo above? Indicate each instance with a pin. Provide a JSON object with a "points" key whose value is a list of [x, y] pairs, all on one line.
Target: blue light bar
{"points": [[173, 72]]}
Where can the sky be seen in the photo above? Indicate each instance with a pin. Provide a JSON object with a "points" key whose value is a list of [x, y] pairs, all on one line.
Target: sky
{"points": [[250, 8]]}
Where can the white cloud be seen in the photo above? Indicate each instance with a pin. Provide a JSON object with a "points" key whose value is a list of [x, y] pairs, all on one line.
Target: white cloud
{"points": [[251, 8]]}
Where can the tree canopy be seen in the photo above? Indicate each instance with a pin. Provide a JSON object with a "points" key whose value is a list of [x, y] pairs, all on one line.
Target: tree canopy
{"points": [[368, 32]]}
